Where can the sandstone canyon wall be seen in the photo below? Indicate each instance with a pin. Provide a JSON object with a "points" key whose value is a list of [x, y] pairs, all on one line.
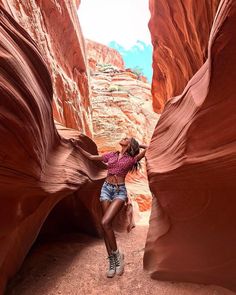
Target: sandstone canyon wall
{"points": [[192, 165], [55, 28], [39, 165], [180, 32]]}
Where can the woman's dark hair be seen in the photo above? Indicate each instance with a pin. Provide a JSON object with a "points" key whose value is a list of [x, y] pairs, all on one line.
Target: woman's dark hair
{"points": [[133, 151]]}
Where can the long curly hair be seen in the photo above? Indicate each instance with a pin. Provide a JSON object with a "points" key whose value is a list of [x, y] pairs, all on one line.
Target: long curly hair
{"points": [[134, 150]]}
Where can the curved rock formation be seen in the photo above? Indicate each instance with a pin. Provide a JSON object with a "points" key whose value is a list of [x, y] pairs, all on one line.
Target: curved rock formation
{"points": [[55, 28], [39, 165], [192, 170], [180, 32]]}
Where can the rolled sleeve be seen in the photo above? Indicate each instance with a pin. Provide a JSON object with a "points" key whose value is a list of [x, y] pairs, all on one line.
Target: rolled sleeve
{"points": [[107, 156]]}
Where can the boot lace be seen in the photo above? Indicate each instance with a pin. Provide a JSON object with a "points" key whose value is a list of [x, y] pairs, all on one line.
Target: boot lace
{"points": [[117, 259], [112, 263]]}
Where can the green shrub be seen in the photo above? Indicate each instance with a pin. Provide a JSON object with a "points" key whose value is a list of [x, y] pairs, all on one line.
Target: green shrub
{"points": [[138, 72], [114, 87], [107, 67]]}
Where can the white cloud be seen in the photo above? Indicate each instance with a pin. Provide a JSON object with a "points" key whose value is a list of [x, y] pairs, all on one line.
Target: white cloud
{"points": [[124, 21]]}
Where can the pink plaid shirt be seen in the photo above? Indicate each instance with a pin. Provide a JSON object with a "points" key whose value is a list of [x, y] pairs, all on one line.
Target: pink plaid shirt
{"points": [[118, 167]]}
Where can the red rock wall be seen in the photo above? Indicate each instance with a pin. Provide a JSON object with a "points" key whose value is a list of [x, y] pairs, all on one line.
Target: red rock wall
{"points": [[100, 54], [55, 28], [192, 170], [180, 32], [77, 3], [39, 165]]}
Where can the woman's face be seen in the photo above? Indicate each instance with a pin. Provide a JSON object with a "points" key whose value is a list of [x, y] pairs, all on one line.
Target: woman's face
{"points": [[125, 141]]}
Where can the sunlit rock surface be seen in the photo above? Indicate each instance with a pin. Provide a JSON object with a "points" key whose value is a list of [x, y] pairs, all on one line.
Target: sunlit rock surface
{"points": [[180, 32], [192, 170], [121, 106], [40, 168], [100, 54], [55, 28]]}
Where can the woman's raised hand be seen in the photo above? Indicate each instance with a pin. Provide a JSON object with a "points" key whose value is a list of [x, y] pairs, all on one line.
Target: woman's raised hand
{"points": [[143, 146]]}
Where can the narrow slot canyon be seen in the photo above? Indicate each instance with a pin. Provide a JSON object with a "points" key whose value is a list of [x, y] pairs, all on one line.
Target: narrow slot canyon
{"points": [[58, 86]]}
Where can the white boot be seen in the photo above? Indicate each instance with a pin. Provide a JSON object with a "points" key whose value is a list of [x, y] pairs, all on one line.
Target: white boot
{"points": [[119, 261], [112, 266]]}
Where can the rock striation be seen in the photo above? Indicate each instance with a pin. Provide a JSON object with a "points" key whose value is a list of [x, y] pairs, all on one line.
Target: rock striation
{"points": [[55, 28], [121, 105], [180, 32], [192, 169]]}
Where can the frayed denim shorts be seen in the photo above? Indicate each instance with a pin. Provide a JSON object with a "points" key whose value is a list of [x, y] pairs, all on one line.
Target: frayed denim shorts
{"points": [[110, 192]]}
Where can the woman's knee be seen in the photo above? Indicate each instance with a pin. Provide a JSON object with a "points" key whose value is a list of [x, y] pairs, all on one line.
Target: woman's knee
{"points": [[105, 224]]}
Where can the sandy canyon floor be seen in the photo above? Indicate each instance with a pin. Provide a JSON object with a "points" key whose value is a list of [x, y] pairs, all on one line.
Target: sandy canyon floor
{"points": [[75, 264]]}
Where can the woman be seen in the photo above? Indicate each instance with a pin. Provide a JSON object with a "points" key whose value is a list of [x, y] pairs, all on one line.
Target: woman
{"points": [[114, 194]]}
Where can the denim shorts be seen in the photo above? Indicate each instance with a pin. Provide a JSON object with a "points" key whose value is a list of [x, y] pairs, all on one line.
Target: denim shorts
{"points": [[109, 192]]}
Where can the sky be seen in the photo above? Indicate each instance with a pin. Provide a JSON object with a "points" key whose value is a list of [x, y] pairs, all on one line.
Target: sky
{"points": [[139, 57], [122, 25], [123, 21]]}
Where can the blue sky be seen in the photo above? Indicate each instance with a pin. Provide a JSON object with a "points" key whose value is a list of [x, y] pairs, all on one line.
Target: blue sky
{"points": [[120, 24], [138, 56]]}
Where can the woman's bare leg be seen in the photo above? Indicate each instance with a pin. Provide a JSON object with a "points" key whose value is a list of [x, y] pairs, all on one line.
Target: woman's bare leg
{"points": [[105, 205], [110, 212]]}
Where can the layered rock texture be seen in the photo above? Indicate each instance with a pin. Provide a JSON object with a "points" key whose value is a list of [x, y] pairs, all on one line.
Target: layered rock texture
{"points": [[55, 28], [192, 166], [121, 106], [39, 165], [180, 32]]}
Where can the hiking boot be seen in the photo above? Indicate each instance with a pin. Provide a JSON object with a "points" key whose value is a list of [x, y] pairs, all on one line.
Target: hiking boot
{"points": [[112, 266], [119, 261]]}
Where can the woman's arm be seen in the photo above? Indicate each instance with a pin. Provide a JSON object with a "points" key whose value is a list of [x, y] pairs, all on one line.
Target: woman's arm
{"points": [[86, 154], [143, 146], [142, 154], [90, 156]]}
